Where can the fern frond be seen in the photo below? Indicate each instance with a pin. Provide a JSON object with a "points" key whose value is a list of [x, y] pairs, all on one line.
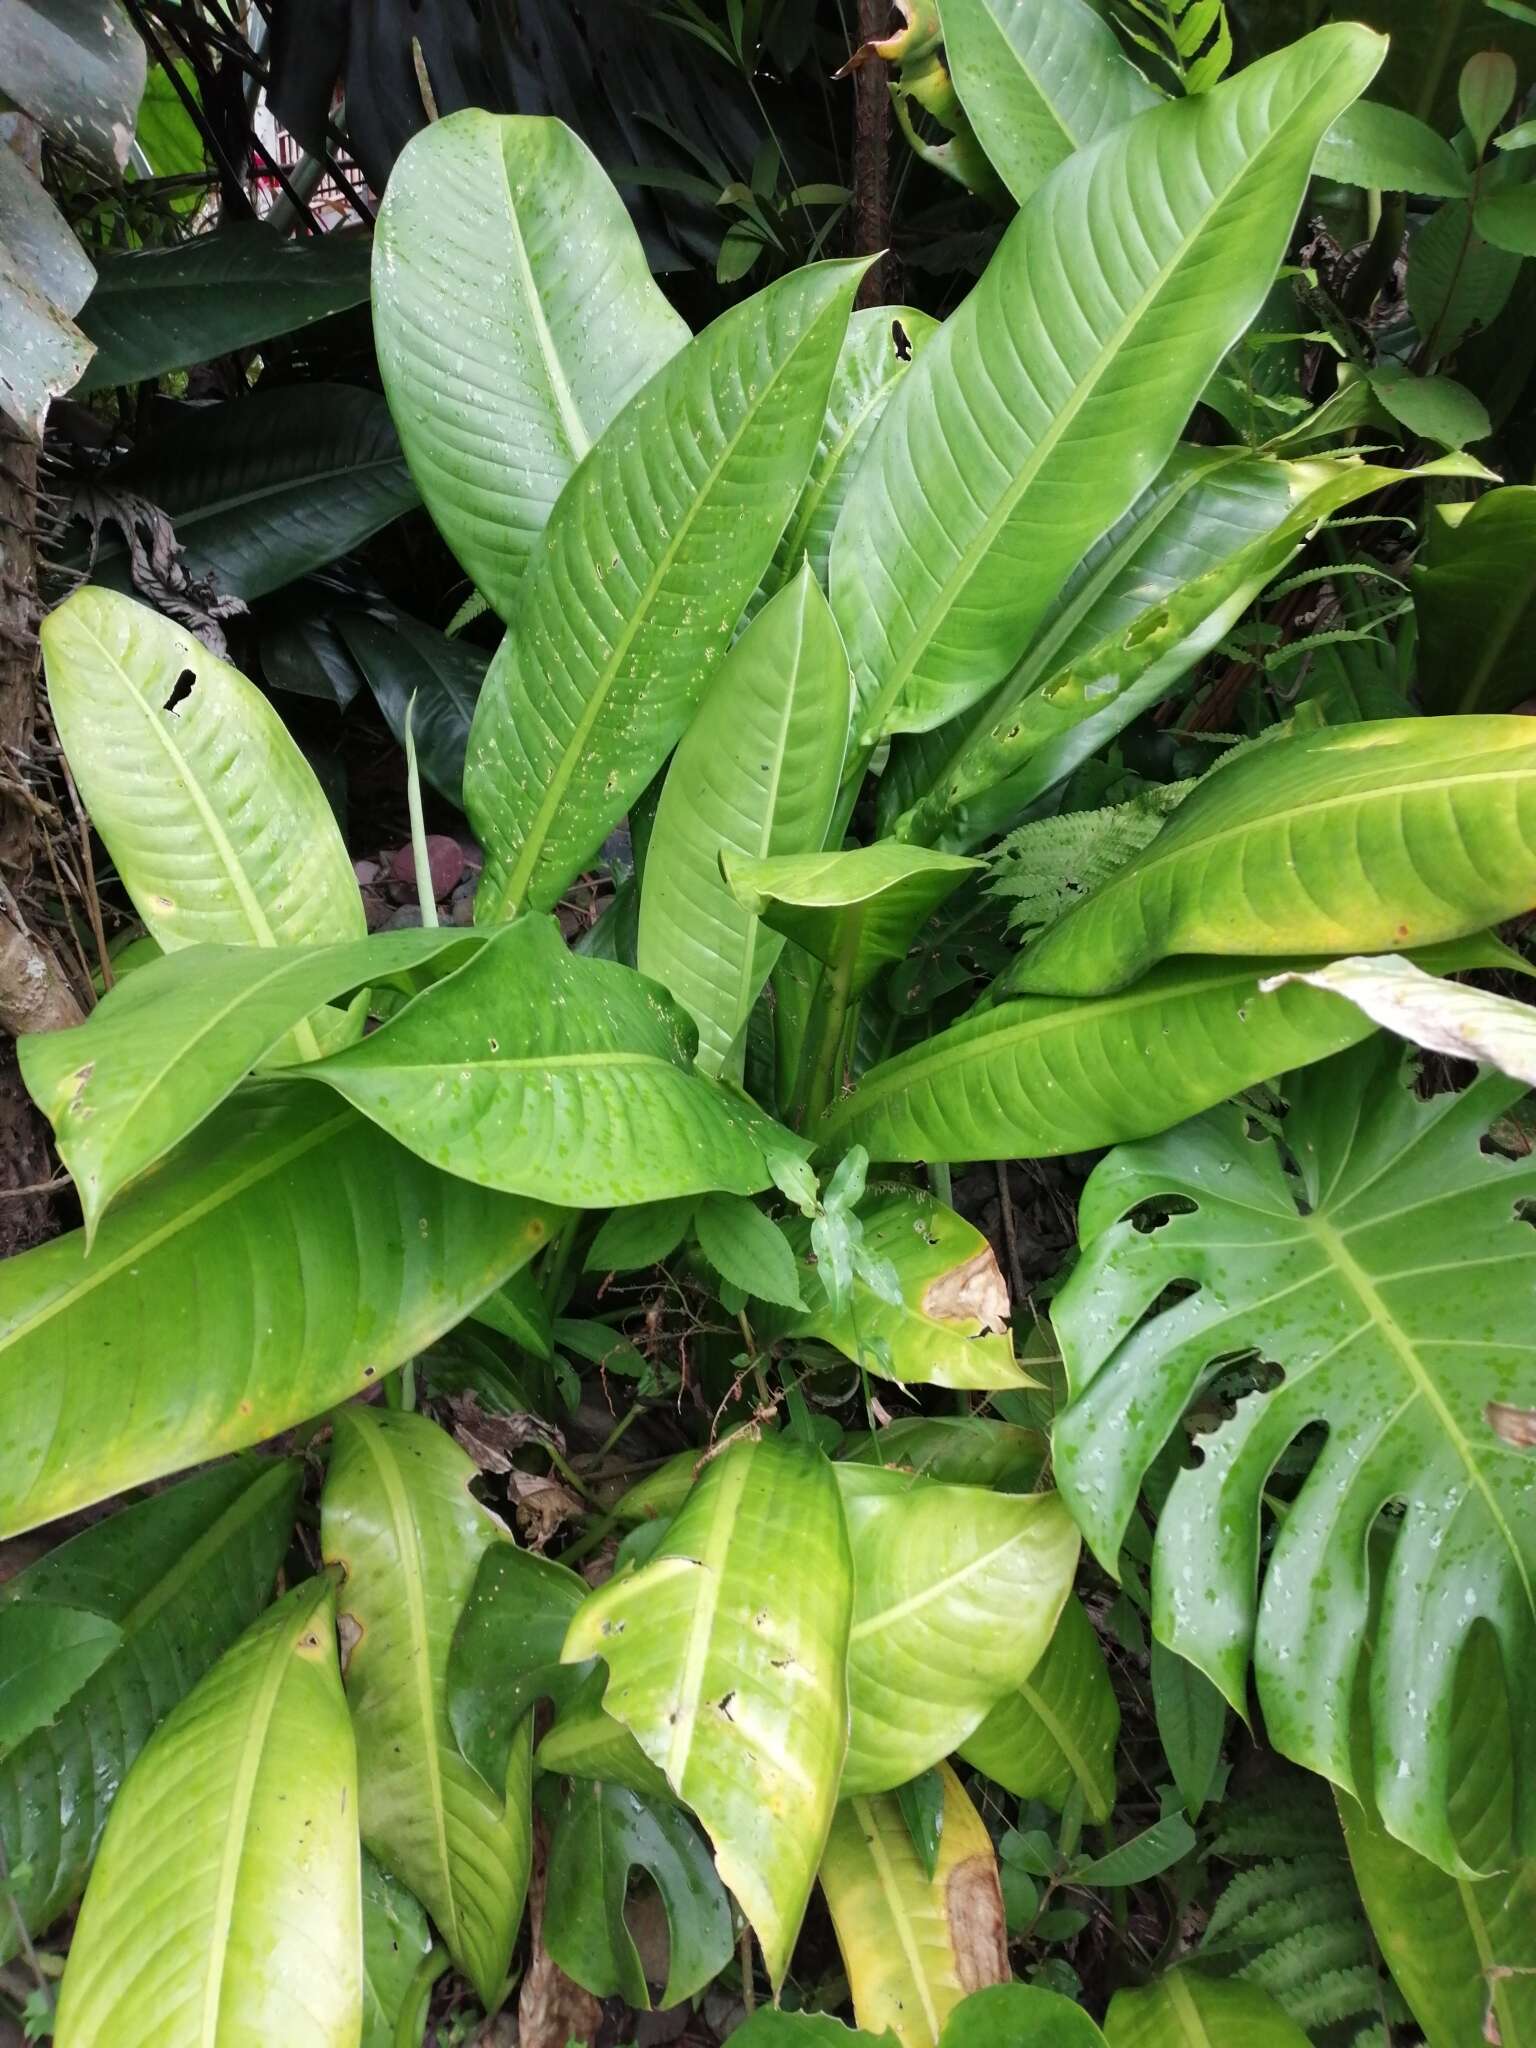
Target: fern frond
{"points": [[1052, 863], [474, 607]]}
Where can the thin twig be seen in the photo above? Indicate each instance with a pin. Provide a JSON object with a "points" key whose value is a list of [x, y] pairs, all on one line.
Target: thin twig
{"points": [[88, 873], [1010, 1234]]}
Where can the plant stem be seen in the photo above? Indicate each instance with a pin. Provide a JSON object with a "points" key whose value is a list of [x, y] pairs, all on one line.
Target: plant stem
{"points": [[823, 1069]]}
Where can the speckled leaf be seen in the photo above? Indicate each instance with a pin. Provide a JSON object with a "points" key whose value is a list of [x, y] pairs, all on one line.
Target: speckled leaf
{"points": [[180, 1575], [197, 1323], [1339, 1279], [514, 314], [1353, 839], [505, 1654], [630, 599], [226, 1903], [396, 1942], [956, 1595], [77, 67], [756, 777], [1056, 391], [537, 1071], [727, 1660], [398, 1516], [913, 1945], [1057, 1732], [1039, 79]]}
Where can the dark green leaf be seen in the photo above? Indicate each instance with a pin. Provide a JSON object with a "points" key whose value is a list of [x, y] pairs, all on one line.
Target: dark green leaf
{"points": [[506, 1652]]}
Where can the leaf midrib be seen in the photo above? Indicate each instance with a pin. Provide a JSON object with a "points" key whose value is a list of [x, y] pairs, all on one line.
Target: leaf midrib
{"points": [[868, 1823], [578, 441], [1086, 388], [709, 1583]]}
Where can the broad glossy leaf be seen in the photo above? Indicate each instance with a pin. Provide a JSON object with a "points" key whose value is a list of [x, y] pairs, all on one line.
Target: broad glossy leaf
{"points": [[399, 1518], [159, 309], [1458, 1949], [1055, 393], [198, 1325], [1457, 282], [631, 1239], [1355, 838], [1187, 2010], [1019, 2016], [1036, 1076], [1442, 1016], [603, 1833], [411, 667], [514, 314], [587, 1742], [505, 1654], [77, 67], [167, 1044], [1038, 79], [47, 1653], [1382, 147], [531, 1068], [880, 344], [226, 1904], [1191, 1721], [950, 1328], [179, 1575], [771, 2028], [265, 488], [969, 1450], [396, 1943], [914, 1945], [1162, 590], [213, 817], [1475, 597], [630, 599], [857, 910], [1056, 1734], [726, 1659], [1337, 1277], [756, 777], [956, 1594]]}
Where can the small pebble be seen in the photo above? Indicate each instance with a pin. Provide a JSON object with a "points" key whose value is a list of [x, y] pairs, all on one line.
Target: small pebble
{"points": [[445, 863]]}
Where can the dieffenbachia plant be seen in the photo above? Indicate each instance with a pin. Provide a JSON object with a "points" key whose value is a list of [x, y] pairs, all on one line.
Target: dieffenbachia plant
{"points": [[818, 603]]}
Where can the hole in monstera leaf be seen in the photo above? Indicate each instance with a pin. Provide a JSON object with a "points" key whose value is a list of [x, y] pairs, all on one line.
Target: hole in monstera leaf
{"points": [[901, 341], [1158, 1210], [181, 690]]}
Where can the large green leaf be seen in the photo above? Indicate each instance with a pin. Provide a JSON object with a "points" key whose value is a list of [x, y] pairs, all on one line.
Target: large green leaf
{"points": [[1038, 80], [603, 1834], [949, 1328], [396, 1944], [47, 1653], [1475, 596], [165, 1046], [1000, 2016], [913, 1944], [179, 1576], [161, 309], [1327, 1257], [1158, 595], [1186, 2010], [399, 1518], [660, 538], [215, 821], [585, 1742], [1352, 839], [506, 1649], [1057, 391], [269, 486], [285, 1256], [970, 1450], [534, 1070], [756, 777], [1057, 1732], [726, 1656], [45, 276], [956, 1595], [1458, 1949], [877, 349], [413, 669], [514, 314], [77, 67], [1041, 1075], [226, 1902]]}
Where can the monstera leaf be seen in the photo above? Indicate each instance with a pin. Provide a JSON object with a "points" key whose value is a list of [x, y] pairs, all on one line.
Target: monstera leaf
{"points": [[1352, 839], [514, 315], [936, 1566], [197, 1324], [726, 1657], [399, 1518], [226, 1899], [1038, 80], [173, 1039], [913, 1944], [531, 1067], [1056, 1733], [1055, 393], [1186, 2010], [1334, 1270], [177, 1577], [756, 777], [213, 817], [604, 1832], [639, 581]]}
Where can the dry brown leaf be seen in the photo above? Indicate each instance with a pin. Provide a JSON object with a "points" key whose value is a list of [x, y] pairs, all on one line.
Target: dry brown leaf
{"points": [[973, 1293], [973, 1904]]}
